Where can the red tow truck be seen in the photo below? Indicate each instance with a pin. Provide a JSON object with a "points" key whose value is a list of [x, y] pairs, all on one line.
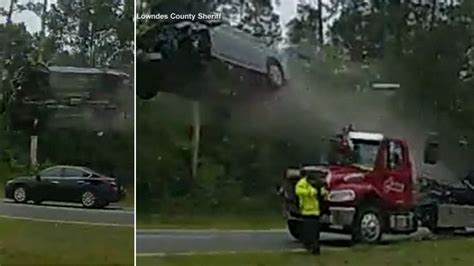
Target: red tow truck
{"points": [[373, 190]]}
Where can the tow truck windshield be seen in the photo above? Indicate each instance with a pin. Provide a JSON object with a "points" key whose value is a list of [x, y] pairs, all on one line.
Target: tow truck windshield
{"points": [[362, 154]]}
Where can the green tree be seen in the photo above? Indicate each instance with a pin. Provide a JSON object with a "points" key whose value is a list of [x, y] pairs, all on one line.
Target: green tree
{"points": [[97, 33]]}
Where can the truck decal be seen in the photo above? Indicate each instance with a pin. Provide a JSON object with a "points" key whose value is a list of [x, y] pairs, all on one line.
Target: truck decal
{"points": [[390, 185]]}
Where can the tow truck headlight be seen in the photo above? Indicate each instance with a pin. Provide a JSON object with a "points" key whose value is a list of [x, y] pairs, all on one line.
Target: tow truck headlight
{"points": [[341, 195]]}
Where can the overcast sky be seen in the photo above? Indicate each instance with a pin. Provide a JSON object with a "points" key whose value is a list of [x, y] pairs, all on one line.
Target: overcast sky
{"points": [[33, 23], [287, 11]]}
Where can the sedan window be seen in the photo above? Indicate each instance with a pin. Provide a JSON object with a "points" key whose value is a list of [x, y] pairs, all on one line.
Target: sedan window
{"points": [[72, 172], [51, 172]]}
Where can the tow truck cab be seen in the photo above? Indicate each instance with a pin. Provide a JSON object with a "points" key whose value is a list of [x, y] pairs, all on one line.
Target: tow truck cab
{"points": [[371, 187]]}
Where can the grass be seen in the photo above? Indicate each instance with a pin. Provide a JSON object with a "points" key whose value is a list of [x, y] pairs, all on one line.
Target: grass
{"points": [[129, 200], [210, 222], [35, 243], [442, 252]]}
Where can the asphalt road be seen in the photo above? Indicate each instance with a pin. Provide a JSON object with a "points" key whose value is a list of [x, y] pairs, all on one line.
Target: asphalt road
{"points": [[161, 242], [67, 213]]}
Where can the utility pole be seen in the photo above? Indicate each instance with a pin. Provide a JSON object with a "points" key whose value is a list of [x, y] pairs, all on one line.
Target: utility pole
{"points": [[195, 139]]}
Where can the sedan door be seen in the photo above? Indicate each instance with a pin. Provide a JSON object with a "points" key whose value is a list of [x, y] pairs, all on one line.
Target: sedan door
{"points": [[226, 44], [74, 179], [259, 52], [249, 50], [49, 184]]}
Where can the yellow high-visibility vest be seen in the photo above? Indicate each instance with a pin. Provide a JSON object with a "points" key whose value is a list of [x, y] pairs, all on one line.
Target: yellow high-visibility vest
{"points": [[308, 197]]}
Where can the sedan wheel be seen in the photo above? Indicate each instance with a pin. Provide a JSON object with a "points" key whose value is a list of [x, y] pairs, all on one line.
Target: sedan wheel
{"points": [[88, 199], [19, 194]]}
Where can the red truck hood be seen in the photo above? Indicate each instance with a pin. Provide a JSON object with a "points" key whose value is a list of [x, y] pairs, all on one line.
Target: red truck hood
{"points": [[337, 175]]}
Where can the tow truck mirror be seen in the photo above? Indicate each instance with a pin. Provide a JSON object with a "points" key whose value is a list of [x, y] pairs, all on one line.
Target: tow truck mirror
{"points": [[431, 153], [292, 173]]}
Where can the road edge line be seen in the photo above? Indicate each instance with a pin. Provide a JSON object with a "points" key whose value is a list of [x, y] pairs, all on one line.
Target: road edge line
{"points": [[213, 253], [211, 230], [64, 221]]}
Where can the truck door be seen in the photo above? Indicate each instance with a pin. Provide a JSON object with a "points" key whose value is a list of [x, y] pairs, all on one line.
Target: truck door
{"points": [[397, 184]]}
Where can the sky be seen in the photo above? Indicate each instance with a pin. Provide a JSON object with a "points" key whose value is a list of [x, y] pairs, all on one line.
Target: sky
{"points": [[286, 10], [33, 23]]}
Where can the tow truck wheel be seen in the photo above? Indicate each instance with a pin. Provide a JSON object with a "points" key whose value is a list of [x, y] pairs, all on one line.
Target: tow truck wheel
{"points": [[294, 227], [367, 226]]}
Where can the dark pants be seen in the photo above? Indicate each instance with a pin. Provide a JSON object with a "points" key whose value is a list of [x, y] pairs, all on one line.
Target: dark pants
{"points": [[310, 234]]}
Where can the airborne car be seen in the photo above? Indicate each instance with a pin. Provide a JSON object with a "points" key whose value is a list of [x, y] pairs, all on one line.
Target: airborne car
{"points": [[234, 45], [66, 184]]}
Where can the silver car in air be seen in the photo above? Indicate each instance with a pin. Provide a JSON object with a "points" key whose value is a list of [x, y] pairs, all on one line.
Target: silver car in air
{"points": [[233, 45]]}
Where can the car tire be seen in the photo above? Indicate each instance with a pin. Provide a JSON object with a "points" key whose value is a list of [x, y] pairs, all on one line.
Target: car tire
{"points": [[20, 194], [275, 74], [89, 199], [368, 226]]}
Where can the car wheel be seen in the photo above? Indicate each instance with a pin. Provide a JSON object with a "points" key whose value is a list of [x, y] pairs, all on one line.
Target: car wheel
{"points": [[275, 74], [368, 227], [19, 194], [88, 199]]}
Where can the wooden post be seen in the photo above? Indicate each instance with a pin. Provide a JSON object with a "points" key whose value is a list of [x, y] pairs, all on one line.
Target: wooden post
{"points": [[196, 138], [34, 145], [34, 151]]}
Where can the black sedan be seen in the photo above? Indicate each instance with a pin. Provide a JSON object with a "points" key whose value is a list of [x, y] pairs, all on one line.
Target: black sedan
{"points": [[66, 184]]}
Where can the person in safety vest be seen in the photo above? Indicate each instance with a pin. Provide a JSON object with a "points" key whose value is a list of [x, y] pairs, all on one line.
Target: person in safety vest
{"points": [[311, 194]]}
